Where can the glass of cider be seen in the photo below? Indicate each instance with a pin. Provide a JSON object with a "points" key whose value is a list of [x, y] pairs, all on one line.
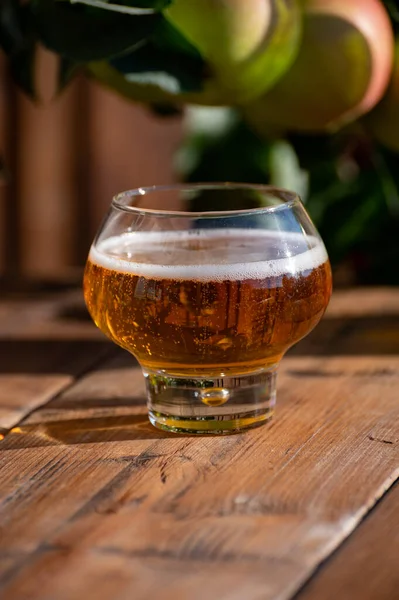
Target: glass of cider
{"points": [[208, 285]]}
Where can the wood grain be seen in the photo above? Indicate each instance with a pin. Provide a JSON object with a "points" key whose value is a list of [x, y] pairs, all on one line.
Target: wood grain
{"points": [[57, 316], [34, 368], [31, 373], [97, 504], [261, 510], [366, 567]]}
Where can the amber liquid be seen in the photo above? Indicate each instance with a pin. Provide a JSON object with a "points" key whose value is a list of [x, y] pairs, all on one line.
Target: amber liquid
{"points": [[206, 327]]}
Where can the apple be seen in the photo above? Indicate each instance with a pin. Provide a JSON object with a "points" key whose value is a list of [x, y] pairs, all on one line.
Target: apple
{"points": [[341, 72], [248, 44]]}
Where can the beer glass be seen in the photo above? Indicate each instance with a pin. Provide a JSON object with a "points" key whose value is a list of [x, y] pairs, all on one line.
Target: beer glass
{"points": [[207, 286]]}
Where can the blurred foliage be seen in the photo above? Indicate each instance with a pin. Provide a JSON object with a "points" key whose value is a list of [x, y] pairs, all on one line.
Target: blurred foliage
{"points": [[153, 59], [349, 184], [18, 40], [167, 61], [131, 35], [83, 33]]}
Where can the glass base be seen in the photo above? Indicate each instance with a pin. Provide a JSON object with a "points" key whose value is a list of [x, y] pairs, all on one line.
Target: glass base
{"points": [[211, 406]]}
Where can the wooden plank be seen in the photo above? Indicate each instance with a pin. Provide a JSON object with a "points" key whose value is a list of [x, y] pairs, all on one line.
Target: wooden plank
{"points": [[18, 315], [126, 507], [9, 133], [96, 503], [143, 144], [35, 366], [47, 174], [361, 302], [55, 316], [34, 371], [3, 151], [366, 567]]}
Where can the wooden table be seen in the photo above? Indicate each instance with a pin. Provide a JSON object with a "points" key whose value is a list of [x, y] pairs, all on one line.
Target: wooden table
{"points": [[97, 504]]}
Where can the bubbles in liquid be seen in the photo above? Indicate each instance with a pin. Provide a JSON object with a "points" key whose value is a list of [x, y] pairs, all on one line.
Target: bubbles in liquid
{"points": [[214, 396], [210, 255], [207, 301]]}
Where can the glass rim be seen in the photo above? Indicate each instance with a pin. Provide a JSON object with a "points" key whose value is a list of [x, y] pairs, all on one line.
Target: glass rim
{"points": [[288, 199]]}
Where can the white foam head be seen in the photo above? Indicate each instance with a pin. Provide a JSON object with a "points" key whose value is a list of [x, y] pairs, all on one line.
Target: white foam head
{"points": [[245, 254]]}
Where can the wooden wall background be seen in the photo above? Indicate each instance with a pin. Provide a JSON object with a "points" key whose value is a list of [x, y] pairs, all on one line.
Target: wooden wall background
{"points": [[66, 158]]}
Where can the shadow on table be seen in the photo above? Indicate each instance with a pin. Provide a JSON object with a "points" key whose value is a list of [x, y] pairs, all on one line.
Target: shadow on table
{"points": [[111, 418], [50, 356], [91, 430]]}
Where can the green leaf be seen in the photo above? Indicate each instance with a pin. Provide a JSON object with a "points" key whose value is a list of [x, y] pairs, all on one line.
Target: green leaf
{"points": [[168, 37], [209, 122], [285, 170], [386, 165], [22, 66], [166, 62], [165, 110], [203, 126], [119, 7], [67, 71], [356, 220], [148, 66], [237, 154], [153, 4], [83, 33], [18, 41], [11, 28]]}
